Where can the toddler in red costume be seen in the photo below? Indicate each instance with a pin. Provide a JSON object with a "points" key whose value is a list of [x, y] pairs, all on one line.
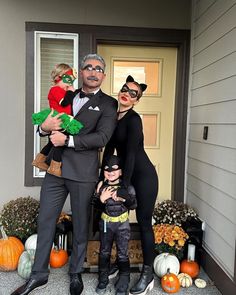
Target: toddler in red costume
{"points": [[60, 98]]}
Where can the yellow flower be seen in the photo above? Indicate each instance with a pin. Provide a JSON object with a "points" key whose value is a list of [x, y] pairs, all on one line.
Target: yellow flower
{"points": [[177, 228], [181, 242], [174, 235], [171, 243], [167, 240]]}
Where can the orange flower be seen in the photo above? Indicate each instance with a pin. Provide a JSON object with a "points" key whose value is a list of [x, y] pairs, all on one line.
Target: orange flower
{"points": [[170, 234], [158, 240]]}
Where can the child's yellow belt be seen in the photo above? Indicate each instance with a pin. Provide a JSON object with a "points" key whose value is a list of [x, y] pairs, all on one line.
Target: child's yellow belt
{"points": [[121, 218]]}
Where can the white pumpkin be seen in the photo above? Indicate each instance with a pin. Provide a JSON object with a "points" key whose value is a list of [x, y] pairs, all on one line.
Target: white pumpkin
{"points": [[25, 263], [166, 261], [185, 280], [31, 242]]}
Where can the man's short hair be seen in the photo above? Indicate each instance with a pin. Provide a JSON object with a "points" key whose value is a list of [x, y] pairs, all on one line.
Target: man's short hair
{"points": [[92, 56]]}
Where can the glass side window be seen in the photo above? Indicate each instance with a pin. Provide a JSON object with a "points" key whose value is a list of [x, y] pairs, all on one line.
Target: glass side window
{"points": [[50, 49]]}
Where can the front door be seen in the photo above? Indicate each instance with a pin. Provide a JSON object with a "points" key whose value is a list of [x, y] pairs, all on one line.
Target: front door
{"points": [[155, 66]]}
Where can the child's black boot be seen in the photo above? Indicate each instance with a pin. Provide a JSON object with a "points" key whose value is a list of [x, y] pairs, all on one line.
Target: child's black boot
{"points": [[122, 284], [103, 280]]}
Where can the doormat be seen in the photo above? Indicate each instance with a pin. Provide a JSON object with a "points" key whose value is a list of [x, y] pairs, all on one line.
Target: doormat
{"points": [[134, 251]]}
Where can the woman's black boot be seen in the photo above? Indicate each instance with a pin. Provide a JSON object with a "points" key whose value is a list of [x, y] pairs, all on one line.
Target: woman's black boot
{"points": [[145, 282]]}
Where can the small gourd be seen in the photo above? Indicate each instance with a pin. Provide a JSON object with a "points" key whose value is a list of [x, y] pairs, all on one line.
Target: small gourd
{"points": [[25, 263], [31, 242], [200, 283], [166, 261], [170, 283], [10, 251], [185, 280], [58, 257]]}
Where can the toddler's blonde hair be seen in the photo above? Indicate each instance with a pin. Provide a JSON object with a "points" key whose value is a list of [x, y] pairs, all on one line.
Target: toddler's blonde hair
{"points": [[58, 71]]}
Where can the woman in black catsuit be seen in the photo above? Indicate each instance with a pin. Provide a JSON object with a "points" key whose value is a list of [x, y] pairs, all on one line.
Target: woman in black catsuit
{"points": [[138, 170]]}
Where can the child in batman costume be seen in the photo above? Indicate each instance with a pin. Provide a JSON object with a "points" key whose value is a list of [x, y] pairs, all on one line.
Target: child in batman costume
{"points": [[114, 200]]}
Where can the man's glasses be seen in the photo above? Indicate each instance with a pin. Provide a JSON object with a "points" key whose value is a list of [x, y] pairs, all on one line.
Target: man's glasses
{"points": [[90, 68], [133, 93]]}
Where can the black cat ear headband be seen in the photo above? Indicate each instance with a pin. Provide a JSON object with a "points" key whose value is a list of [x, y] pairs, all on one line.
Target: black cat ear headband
{"points": [[142, 86]]}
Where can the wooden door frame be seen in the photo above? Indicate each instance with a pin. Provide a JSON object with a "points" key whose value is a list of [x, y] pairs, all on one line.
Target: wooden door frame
{"points": [[90, 37]]}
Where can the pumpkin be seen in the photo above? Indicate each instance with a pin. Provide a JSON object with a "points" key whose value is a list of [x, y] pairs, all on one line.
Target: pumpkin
{"points": [[10, 251], [25, 263], [185, 280], [170, 283], [200, 283], [58, 258], [166, 261], [190, 267], [31, 242]]}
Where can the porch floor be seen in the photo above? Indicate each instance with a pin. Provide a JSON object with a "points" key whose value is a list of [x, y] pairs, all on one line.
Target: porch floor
{"points": [[59, 284]]}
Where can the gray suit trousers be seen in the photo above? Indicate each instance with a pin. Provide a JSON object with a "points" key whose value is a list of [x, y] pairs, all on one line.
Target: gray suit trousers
{"points": [[53, 195]]}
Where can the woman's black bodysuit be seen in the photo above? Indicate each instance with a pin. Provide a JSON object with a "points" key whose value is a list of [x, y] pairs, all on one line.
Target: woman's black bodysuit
{"points": [[138, 170]]}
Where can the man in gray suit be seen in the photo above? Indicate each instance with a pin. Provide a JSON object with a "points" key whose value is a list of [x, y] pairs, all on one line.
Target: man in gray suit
{"points": [[98, 113]]}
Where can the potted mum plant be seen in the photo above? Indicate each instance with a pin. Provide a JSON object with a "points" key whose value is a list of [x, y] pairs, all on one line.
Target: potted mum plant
{"points": [[170, 238], [173, 212], [175, 225], [19, 217]]}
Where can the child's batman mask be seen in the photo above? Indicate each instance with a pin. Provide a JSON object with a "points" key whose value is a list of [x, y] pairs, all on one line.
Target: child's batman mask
{"points": [[112, 164]]}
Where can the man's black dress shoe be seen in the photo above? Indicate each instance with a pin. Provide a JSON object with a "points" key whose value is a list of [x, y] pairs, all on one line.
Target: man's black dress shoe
{"points": [[76, 284], [29, 286]]}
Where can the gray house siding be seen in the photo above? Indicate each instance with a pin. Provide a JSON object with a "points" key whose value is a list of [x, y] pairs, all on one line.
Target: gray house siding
{"points": [[211, 163]]}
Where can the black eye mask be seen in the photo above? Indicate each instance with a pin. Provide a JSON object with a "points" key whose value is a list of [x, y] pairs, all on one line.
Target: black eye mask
{"points": [[112, 164]]}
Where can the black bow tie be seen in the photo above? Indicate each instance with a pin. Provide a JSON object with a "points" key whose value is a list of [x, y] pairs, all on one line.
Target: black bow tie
{"points": [[83, 94]]}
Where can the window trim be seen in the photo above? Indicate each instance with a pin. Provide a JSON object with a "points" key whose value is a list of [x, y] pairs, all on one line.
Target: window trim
{"points": [[38, 35]]}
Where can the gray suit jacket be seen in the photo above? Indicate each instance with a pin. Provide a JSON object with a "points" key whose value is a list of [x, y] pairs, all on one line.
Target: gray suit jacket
{"points": [[99, 117]]}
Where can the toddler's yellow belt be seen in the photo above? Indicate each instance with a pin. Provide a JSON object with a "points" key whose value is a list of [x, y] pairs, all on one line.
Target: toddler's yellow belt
{"points": [[121, 218]]}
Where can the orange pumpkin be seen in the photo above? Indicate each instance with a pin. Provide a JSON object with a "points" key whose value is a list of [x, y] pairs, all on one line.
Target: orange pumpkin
{"points": [[10, 251], [58, 258], [170, 283], [190, 267]]}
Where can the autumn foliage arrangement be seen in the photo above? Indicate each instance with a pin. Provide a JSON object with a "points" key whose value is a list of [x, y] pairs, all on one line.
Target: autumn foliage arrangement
{"points": [[173, 212], [19, 217], [170, 238]]}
